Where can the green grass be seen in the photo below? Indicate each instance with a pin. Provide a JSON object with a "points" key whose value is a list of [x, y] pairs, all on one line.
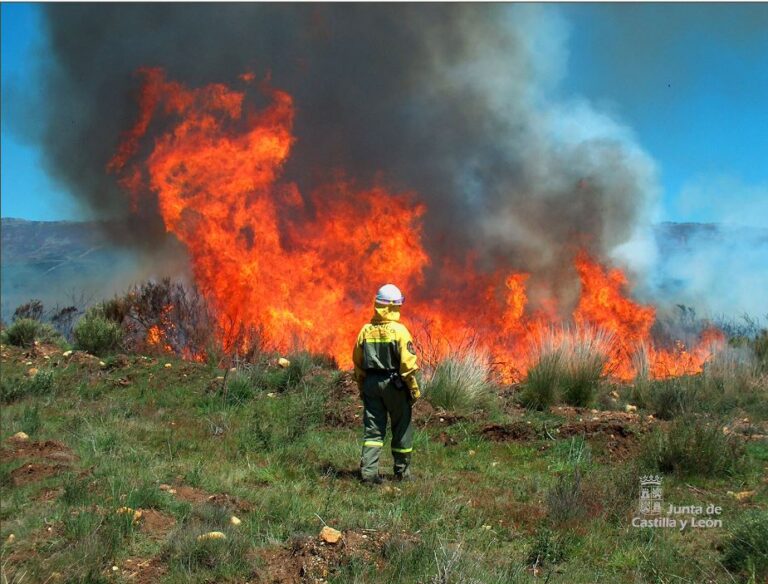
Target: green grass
{"points": [[478, 511]]}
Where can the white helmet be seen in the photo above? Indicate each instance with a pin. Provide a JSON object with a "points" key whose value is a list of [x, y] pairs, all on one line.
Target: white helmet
{"points": [[389, 294]]}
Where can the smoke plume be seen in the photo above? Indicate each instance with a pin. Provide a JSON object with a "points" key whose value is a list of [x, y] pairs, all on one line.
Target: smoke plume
{"points": [[454, 102]]}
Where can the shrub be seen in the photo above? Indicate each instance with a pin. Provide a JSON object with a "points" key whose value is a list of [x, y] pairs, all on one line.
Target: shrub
{"points": [[746, 549], [693, 447], [32, 310], [41, 384], [22, 332], [565, 500], [548, 548], [96, 334], [461, 383]]}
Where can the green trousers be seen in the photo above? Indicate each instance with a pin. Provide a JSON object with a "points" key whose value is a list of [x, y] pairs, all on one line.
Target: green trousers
{"points": [[381, 399]]}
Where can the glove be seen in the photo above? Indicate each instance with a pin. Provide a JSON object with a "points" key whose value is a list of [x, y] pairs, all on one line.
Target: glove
{"points": [[415, 394]]}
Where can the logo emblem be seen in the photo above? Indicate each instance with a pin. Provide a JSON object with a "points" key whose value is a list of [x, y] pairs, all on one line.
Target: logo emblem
{"points": [[651, 495]]}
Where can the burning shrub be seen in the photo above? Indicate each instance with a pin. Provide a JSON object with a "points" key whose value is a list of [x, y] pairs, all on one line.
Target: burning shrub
{"points": [[461, 383], [96, 334], [22, 332], [693, 447]]}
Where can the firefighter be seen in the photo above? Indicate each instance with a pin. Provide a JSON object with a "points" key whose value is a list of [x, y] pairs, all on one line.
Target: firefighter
{"points": [[385, 368]]}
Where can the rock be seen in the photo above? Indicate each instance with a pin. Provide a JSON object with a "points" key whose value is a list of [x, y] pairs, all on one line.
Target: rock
{"points": [[271, 394], [167, 365], [283, 362], [614, 394], [115, 568], [211, 535], [66, 353], [10, 539], [234, 520], [471, 453], [20, 436], [742, 496], [330, 535], [32, 371], [102, 364], [629, 408]]}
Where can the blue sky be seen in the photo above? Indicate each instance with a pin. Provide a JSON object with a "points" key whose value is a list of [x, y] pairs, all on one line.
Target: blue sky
{"points": [[694, 90]]}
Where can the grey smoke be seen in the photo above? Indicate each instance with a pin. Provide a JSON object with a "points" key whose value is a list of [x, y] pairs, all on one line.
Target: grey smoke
{"points": [[452, 101]]}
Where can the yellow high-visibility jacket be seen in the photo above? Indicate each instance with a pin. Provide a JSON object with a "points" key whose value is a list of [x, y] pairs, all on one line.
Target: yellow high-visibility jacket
{"points": [[384, 344]]}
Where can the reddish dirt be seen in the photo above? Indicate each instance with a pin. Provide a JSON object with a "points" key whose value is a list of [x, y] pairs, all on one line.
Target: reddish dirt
{"points": [[310, 561], [198, 496], [142, 570], [48, 450], [592, 427], [509, 432], [30, 473], [446, 440], [156, 524]]}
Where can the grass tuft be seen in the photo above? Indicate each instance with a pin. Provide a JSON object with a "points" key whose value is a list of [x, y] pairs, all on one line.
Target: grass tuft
{"points": [[567, 364], [461, 383]]}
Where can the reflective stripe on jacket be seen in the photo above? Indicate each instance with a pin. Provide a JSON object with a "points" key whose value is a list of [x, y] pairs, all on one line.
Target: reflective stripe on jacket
{"points": [[384, 344]]}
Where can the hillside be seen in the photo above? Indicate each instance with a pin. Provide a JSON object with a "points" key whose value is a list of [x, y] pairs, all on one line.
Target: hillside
{"points": [[57, 260]]}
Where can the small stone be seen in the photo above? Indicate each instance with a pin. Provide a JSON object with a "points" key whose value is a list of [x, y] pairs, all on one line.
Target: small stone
{"points": [[494, 464], [219, 378], [442, 419], [20, 436], [330, 535], [742, 495], [593, 411], [167, 365], [271, 394], [233, 369], [629, 408], [283, 362], [46, 357], [614, 394], [28, 363], [115, 568], [102, 364], [471, 453], [234, 520], [66, 353], [10, 539], [32, 371], [211, 535]]}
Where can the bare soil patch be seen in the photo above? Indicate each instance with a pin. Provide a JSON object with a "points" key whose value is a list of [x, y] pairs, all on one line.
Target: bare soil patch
{"points": [[48, 449], [156, 523], [31, 473], [143, 570], [198, 497], [308, 560], [509, 432]]}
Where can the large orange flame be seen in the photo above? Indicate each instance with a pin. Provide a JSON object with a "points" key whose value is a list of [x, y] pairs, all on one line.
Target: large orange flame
{"points": [[301, 268]]}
